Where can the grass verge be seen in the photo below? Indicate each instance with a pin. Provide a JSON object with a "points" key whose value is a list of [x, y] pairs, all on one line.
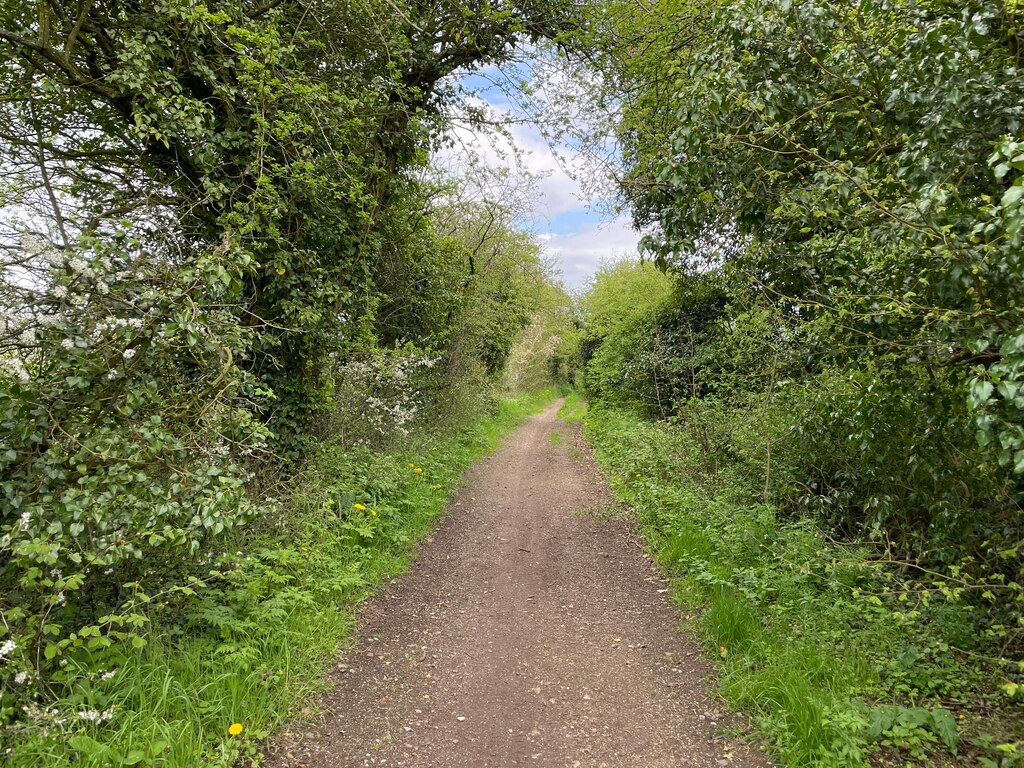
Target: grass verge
{"points": [[253, 638], [574, 409], [838, 660]]}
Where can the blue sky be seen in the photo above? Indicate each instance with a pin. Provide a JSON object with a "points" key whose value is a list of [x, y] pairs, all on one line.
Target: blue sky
{"points": [[572, 227]]}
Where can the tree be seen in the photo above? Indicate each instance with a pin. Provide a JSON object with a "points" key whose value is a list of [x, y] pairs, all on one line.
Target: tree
{"points": [[197, 204]]}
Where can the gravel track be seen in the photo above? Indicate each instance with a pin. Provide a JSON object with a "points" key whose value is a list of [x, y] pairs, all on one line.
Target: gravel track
{"points": [[532, 630]]}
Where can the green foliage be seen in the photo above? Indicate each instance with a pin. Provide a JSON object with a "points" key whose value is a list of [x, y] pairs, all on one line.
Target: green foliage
{"points": [[249, 642], [218, 248], [621, 291], [622, 359], [837, 653], [541, 355], [504, 285], [822, 153], [836, 189], [767, 463], [574, 409], [100, 475]]}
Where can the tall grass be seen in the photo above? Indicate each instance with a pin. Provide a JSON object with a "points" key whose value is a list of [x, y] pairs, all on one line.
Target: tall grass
{"points": [[837, 663]]}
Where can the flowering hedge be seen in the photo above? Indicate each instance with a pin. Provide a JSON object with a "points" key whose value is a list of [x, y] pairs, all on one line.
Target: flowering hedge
{"points": [[124, 432]]}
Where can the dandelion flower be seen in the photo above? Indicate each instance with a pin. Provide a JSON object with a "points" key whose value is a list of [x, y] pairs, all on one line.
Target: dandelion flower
{"points": [[235, 729], [411, 466], [360, 507], [373, 512], [418, 470]]}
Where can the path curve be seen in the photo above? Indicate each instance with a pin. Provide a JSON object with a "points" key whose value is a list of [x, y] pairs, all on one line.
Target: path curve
{"points": [[529, 632]]}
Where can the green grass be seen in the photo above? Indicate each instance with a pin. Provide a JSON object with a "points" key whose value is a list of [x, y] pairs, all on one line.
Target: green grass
{"points": [[811, 637], [253, 644], [574, 409]]}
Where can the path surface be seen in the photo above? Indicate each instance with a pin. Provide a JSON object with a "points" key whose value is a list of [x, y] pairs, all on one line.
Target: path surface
{"points": [[529, 632]]}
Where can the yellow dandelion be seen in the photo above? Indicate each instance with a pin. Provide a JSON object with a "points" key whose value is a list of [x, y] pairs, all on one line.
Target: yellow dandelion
{"points": [[373, 512], [360, 507], [235, 729], [418, 470], [411, 466]]}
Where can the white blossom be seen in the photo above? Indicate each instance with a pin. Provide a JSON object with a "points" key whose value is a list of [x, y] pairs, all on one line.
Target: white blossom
{"points": [[95, 716], [16, 366], [32, 244]]}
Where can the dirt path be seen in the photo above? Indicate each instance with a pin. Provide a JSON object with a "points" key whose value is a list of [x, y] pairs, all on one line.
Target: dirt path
{"points": [[529, 632]]}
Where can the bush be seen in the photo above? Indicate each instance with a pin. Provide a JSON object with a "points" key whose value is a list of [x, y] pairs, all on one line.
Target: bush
{"points": [[126, 439]]}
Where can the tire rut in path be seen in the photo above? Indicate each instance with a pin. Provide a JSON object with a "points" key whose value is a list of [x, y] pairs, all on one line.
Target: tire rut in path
{"points": [[528, 632]]}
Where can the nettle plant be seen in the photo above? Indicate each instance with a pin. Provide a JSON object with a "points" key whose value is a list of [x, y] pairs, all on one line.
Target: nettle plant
{"points": [[122, 442]]}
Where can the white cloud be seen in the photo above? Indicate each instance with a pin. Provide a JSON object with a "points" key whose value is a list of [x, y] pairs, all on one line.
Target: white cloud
{"points": [[526, 154], [580, 253]]}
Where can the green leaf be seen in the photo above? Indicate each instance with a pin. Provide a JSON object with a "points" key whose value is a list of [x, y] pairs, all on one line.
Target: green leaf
{"points": [[1013, 195], [981, 391], [88, 746], [944, 725]]}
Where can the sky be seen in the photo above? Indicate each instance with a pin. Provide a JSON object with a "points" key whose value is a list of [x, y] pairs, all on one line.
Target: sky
{"points": [[571, 226]]}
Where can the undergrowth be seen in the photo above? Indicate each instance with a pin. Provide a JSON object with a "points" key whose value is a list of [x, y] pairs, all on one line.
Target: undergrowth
{"points": [[837, 659], [243, 645]]}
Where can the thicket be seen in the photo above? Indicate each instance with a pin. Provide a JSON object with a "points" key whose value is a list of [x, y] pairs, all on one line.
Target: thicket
{"points": [[834, 356], [839, 656], [229, 284], [852, 562]]}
